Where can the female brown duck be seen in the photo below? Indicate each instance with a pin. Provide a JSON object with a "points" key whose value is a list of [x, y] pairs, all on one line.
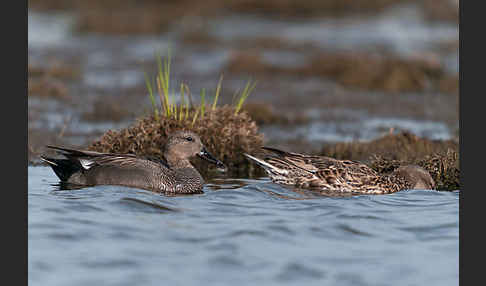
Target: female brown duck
{"points": [[329, 174], [173, 174]]}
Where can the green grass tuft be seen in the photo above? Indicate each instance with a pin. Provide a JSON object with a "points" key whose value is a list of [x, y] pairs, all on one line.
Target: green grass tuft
{"points": [[181, 111], [244, 95]]}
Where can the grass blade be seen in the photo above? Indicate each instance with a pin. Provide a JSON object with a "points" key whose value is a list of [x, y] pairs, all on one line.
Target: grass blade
{"points": [[195, 117], [244, 95], [203, 104], [218, 89], [181, 111]]}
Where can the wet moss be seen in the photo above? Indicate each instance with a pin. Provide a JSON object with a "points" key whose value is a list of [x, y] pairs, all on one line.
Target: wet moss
{"points": [[265, 114], [449, 84], [441, 10], [149, 16], [50, 80], [376, 72], [366, 71], [104, 110], [127, 16], [55, 70], [226, 134], [439, 157], [312, 8], [47, 87]]}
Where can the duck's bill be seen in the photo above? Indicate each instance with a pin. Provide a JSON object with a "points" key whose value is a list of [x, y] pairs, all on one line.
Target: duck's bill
{"points": [[204, 154]]}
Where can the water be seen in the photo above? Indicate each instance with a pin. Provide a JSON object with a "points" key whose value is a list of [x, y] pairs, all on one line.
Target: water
{"points": [[239, 231], [114, 65]]}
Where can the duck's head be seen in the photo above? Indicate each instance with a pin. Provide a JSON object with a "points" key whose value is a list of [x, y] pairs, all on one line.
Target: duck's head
{"points": [[186, 144], [417, 176]]}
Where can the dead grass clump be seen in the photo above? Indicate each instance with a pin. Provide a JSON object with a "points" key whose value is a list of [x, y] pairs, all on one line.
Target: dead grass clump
{"points": [[226, 134], [173, 10], [389, 152], [401, 146], [442, 166], [250, 61], [273, 42], [441, 10], [449, 84], [127, 16], [311, 8], [373, 72], [356, 70], [135, 20], [56, 70], [151, 16], [264, 114], [47, 87], [49, 80], [200, 36], [104, 110]]}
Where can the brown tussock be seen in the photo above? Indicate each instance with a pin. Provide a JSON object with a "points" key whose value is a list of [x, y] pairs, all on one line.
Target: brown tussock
{"points": [[226, 135], [366, 71]]}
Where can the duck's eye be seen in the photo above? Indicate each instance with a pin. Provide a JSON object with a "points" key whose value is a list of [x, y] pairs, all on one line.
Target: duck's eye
{"points": [[189, 139]]}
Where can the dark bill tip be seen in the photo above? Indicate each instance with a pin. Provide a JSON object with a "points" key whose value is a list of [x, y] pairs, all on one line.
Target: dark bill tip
{"points": [[204, 154]]}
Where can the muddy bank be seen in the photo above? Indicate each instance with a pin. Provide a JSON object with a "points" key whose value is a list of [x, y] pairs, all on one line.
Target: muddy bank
{"points": [[266, 114], [51, 80], [439, 157], [143, 17], [364, 71]]}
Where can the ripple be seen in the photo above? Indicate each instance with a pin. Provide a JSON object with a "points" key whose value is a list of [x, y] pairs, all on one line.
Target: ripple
{"points": [[145, 206], [115, 263], [223, 246], [296, 271], [64, 236], [226, 261], [258, 230], [252, 233], [358, 217], [282, 229], [348, 278], [84, 207], [352, 230]]}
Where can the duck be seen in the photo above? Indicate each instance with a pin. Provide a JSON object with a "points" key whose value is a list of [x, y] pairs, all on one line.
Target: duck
{"points": [[333, 175], [172, 174]]}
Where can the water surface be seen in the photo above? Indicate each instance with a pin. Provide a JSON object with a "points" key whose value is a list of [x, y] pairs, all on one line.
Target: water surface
{"points": [[238, 231]]}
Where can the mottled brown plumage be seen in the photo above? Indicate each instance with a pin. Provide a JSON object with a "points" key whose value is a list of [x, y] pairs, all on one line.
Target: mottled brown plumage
{"points": [[330, 174], [171, 174]]}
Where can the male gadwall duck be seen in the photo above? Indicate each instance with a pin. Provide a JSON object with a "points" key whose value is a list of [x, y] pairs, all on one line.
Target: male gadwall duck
{"points": [[173, 174], [329, 174]]}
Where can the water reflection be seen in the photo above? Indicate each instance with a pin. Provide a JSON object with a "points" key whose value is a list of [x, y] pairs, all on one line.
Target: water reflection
{"points": [[274, 234]]}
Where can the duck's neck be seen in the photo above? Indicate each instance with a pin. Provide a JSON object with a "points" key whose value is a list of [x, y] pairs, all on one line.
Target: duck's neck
{"points": [[176, 162]]}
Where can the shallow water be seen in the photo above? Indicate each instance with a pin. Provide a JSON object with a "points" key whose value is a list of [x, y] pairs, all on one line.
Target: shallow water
{"points": [[238, 231]]}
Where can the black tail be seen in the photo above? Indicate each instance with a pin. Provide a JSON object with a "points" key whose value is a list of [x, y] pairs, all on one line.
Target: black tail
{"points": [[64, 168], [277, 151]]}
